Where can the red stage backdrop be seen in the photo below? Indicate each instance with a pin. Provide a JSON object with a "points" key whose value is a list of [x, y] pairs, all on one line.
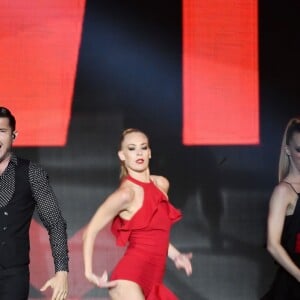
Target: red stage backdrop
{"points": [[220, 72], [39, 52]]}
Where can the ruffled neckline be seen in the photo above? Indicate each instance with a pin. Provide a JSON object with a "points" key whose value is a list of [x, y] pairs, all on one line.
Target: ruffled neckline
{"points": [[153, 197]]}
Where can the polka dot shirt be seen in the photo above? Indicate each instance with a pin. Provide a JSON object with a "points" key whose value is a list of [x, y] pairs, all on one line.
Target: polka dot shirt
{"points": [[47, 208]]}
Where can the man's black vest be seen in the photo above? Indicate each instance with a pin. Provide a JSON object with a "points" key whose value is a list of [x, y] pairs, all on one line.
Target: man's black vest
{"points": [[15, 219]]}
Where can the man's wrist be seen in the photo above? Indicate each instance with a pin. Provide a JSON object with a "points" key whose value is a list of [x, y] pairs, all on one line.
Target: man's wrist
{"points": [[61, 272]]}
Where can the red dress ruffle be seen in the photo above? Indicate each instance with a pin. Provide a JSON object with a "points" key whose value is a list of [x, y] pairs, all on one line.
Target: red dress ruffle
{"points": [[159, 291]]}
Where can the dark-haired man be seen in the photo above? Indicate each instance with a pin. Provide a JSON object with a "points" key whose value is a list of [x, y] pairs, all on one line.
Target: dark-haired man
{"points": [[24, 186]]}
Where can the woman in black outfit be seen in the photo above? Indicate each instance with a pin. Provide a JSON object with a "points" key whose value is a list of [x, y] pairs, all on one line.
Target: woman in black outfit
{"points": [[283, 236]]}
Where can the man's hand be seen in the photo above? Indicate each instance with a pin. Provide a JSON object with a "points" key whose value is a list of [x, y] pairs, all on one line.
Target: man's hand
{"points": [[59, 285]]}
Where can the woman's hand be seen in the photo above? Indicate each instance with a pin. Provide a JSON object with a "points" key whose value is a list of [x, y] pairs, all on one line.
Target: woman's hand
{"points": [[183, 261], [101, 281]]}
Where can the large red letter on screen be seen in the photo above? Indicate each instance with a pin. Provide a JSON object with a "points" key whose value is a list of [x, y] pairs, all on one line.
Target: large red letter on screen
{"points": [[220, 72], [39, 52]]}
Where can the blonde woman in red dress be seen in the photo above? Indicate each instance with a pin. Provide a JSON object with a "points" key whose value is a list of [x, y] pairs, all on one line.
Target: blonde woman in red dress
{"points": [[141, 217]]}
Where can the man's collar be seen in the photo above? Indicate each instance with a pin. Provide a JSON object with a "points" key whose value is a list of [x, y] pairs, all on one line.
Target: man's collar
{"points": [[14, 159]]}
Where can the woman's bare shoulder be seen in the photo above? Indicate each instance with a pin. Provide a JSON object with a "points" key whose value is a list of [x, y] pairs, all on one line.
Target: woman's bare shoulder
{"points": [[125, 192], [283, 192], [283, 188], [161, 181]]}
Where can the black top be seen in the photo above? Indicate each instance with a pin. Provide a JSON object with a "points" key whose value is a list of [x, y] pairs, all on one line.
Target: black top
{"points": [[291, 231], [46, 204]]}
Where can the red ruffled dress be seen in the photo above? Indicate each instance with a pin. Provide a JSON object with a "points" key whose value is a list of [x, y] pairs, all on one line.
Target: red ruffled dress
{"points": [[147, 235]]}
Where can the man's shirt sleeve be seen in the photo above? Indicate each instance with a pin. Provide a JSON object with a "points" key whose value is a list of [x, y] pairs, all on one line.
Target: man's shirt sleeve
{"points": [[50, 215]]}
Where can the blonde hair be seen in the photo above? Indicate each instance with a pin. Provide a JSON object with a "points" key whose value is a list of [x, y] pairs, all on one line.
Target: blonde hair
{"points": [[284, 160], [123, 169]]}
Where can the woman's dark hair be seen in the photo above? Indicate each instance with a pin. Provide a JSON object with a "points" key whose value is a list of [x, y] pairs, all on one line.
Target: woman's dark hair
{"points": [[5, 113]]}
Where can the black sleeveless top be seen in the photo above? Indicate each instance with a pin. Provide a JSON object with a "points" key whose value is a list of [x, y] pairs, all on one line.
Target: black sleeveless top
{"points": [[291, 232], [285, 286]]}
